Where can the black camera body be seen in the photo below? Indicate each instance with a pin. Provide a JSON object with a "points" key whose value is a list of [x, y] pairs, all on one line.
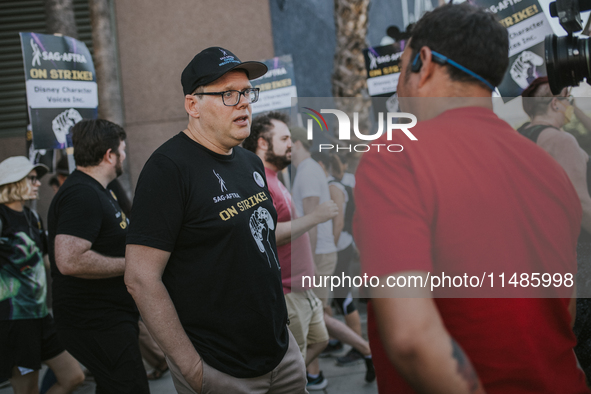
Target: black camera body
{"points": [[567, 57], [568, 13]]}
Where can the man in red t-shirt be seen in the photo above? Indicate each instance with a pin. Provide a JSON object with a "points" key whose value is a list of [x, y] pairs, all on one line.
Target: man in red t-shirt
{"points": [[471, 196]]}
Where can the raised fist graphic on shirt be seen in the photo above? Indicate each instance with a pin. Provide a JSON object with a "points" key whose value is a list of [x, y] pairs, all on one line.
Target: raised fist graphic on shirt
{"points": [[261, 221]]}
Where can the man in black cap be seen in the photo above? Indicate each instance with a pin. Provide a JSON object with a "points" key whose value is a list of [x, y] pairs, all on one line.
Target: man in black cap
{"points": [[201, 260]]}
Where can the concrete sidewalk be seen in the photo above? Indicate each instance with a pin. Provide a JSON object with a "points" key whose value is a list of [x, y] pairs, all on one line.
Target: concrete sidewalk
{"points": [[341, 380]]}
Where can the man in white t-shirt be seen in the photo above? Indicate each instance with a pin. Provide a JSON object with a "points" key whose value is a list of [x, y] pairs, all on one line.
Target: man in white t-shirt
{"points": [[310, 188]]}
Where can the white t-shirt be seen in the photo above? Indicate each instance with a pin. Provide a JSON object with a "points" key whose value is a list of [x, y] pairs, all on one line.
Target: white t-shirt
{"points": [[345, 239], [310, 181], [348, 180]]}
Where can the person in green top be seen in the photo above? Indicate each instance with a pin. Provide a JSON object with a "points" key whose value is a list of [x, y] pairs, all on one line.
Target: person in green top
{"points": [[27, 333]]}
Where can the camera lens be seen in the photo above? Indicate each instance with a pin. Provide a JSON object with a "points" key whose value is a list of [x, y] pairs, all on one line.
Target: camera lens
{"points": [[567, 61]]}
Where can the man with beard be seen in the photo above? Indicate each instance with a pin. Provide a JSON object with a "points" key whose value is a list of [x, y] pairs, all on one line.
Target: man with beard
{"points": [[96, 318], [270, 139]]}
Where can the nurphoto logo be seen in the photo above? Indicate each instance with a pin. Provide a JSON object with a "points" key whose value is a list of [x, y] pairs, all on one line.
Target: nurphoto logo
{"points": [[344, 133]]}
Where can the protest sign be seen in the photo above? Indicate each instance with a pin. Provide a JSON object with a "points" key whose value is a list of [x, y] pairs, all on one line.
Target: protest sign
{"points": [[277, 86], [39, 156], [383, 70], [527, 26], [61, 87]]}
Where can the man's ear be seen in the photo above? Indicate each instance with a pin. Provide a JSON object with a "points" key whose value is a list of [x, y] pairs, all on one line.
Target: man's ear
{"points": [[192, 105], [108, 158], [262, 144], [428, 65]]}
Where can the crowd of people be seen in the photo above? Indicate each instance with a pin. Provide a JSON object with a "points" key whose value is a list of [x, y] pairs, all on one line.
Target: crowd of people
{"points": [[310, 222], [213, 253]]}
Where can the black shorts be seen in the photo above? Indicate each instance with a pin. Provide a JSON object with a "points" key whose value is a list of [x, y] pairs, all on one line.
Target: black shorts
{"points": [[26, 343], [342, 297], [344, 260], [112, 356]]}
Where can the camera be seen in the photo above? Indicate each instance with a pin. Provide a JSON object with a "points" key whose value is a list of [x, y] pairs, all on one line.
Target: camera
{"points": [[567, 58]]}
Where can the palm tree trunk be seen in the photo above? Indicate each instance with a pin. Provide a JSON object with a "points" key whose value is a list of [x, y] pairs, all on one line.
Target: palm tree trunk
{"points": [[105, 62], [107, 73], [60, 19], [349, 85]]}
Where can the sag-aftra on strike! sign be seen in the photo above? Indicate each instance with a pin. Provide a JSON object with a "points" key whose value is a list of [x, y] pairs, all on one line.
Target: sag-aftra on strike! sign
{"points": [[61, 87]]}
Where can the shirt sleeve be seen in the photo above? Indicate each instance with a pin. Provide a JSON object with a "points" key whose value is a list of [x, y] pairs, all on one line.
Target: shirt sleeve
{"points": [[391, 225], [80, 213], [274, 192], [311, 184], [158, 206], [341, 187], [279, 202]]}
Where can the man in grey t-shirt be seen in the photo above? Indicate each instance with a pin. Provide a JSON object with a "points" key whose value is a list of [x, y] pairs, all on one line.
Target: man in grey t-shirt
{"points": [[310, 188]]}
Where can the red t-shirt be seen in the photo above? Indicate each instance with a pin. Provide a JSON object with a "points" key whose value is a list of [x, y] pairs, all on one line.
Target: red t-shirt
{"points": [[295, 258], [472, 195]]}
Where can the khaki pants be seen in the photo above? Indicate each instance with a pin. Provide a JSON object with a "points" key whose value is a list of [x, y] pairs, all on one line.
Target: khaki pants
{"points": [[325, 265], [306, 319], [289, 377]]}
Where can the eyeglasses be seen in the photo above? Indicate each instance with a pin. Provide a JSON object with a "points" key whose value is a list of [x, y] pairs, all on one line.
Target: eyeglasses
{"points": [[33, 178], [231, 98]]}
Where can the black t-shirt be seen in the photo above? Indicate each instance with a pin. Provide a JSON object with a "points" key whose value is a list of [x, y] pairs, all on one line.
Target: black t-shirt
{"points": [[83, 208], [23, 286], [215, 215]]}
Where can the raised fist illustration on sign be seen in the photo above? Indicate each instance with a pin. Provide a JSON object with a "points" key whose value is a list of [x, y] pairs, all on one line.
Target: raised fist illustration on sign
{"points": [[62, 124], [523, 70]]}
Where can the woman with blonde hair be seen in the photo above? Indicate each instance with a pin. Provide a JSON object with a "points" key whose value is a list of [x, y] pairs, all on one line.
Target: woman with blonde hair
{"points": [[27, 334]]}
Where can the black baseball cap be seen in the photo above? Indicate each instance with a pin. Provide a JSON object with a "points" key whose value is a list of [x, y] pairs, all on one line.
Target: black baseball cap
{"points": [[211, 63]]}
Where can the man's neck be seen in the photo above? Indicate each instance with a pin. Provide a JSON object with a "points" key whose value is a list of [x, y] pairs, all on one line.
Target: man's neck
{"points": [[205, 140], [435, 99], [546, 120], [98, 173], [262, 154], [431, 107], [269, 166]]}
